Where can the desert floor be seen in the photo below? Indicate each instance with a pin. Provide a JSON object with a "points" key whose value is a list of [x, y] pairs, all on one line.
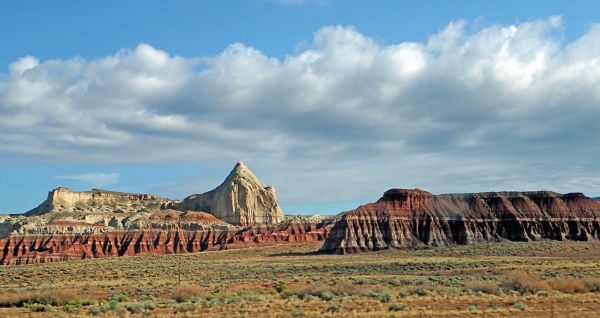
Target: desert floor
{"points": [[539, 279]]}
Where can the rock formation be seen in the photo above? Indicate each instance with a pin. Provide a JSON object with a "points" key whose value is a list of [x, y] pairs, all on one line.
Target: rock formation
{"points": [[99, 201], [241, 212], [26, 249], [416, 218], [240, 200]]}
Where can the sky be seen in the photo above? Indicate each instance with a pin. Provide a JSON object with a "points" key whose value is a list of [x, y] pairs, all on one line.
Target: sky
{"points": [[331, 102]]}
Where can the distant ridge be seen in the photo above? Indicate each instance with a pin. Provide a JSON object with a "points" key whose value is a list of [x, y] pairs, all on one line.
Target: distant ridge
{"points": [[241, 212], [408, 218], [64, 199]]}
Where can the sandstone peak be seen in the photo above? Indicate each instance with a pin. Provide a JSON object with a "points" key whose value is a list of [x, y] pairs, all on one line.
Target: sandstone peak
{"points": [[241, 199], [240, 165], [241, 171]]}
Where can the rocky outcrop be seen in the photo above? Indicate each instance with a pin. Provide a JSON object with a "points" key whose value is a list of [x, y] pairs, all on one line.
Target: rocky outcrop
{"points": [[26, 249], [416, 218], [74, 223], [6, 225], [241, 212], [99, 201], [171, 219], [240, 200]]}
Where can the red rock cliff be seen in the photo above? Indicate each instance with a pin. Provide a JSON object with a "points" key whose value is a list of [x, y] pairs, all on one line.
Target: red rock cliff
{"points": [[415, 218], [26, 249]]}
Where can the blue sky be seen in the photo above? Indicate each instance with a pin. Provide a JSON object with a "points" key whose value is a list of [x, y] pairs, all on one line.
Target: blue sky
{"points": [[332, 102], [63, 29]]}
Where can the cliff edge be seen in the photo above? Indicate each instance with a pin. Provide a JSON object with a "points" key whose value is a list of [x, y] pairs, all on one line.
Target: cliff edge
{"points": [[416, 218]]}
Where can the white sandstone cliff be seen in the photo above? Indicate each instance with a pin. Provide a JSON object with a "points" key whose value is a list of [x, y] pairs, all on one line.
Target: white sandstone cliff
{"points": [[240, 200]]}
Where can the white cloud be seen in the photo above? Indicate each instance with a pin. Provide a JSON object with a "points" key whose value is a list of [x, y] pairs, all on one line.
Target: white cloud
{"points": [[343, 118], [94, 179]]}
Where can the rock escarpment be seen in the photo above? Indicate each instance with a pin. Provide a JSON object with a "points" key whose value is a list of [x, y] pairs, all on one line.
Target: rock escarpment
{"points": [[241, 212], [27, 249], [416, 218], [240, 200], [99, 201], [73, 223]]}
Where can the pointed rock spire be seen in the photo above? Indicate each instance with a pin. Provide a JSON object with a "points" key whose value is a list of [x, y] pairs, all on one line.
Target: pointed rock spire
{"points": [[240, 200], [241, 171]]}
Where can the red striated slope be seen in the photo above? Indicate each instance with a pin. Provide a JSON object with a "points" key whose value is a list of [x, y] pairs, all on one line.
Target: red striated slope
{"points": [[51, 248], [413, 218]]}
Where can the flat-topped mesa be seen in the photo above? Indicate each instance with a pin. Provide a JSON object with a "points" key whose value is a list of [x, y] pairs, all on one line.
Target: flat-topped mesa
{"points": [[240, 200], [416, 218], [99, 201], [409, 199]]}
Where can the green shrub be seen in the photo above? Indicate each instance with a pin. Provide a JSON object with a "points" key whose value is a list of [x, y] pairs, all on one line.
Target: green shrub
{"points": [[297, 312], [482, 286], [403, 293], [421, 292], [334, 308], [120, 298], [113, 304], [472, 308], [59, 297], [94, 310], [87, 302], [280, 287], [150, 306], [185, 307], [384, 297], [134, 308], [397, 307], [72, 308], [326, 295], [520, 306], [35, 307]]}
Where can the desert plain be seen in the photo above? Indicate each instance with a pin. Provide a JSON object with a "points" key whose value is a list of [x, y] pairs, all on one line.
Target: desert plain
{"points": [[510, 279]]}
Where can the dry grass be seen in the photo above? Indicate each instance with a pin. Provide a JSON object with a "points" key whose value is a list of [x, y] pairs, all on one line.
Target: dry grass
{"points": [[187, 292], [566, 285], [485, 287], [524, 282], [59, 297], [499, 280], [592, 284]]}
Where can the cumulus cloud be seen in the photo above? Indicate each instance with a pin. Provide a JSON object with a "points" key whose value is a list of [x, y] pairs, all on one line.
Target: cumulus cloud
{"points": [[501, 107], [94, 179]]}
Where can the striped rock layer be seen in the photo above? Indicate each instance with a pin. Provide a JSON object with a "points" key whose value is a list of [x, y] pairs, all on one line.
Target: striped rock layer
{"points": [[416, 218], [28, 249]]}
